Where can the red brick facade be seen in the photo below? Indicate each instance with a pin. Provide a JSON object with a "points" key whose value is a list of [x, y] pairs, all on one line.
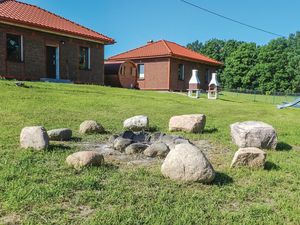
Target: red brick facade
{"points": [[34, 65], [162, 74], [168, 66]]}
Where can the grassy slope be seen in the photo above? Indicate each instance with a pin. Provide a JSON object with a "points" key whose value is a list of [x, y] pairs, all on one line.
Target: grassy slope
{"points": [[38, 187]]}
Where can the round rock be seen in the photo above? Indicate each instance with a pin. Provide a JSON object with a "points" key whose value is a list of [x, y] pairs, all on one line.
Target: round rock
{"points": [[121, 143], [136, 123], [135, 148], [187, 163], [249, 157], [63, 134], [84, 159], [194, 123], [91, 127], [254, 134], [34, 137], [157, 149]]}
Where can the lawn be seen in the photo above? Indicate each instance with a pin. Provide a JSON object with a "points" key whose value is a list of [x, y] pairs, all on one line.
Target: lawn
{"points": [[38, 187]]}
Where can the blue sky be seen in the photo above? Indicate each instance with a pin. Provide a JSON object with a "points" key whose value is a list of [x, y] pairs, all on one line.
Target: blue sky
{"points": [[133, 22]]}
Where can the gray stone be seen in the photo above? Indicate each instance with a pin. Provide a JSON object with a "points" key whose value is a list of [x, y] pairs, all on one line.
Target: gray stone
{"points": [[254, 134], [193, 123], [63, 134], [187, 163], [91, 127], [157, 149], [121, 143], [136, 123], [135, 148], [112, 138], [34, 137], [156, 137], [128, 134], [249, 157], [178, 141], [84, 159]]}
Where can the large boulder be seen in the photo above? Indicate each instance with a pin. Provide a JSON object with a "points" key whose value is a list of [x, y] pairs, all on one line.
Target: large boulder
{"points": [[120, 144], [254, 134], [90, 127], [159, 149], [194, 123], [34, 137], [187, 163], [136, 123], [63, 134], [84, 159], [135, 148], [249, 157]]}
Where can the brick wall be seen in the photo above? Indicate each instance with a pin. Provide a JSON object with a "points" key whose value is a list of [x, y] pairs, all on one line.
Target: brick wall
{"points": [[34, 66], [156, 74]]}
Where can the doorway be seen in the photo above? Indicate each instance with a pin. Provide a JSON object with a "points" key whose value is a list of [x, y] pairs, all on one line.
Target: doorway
{"points": [[52, 62]]}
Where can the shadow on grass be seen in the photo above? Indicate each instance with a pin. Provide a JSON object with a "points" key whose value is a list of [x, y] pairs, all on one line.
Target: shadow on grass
{"points": [[76, 139], [282, 146], [58, 147], [222, 179], [227, 100], [152, 129], [271, 166], [110, 166], [210, 131]]}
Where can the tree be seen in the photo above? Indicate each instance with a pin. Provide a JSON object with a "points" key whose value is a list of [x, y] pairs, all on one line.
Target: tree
{"points": [[196, 46], [293, 67], [238, 65]]}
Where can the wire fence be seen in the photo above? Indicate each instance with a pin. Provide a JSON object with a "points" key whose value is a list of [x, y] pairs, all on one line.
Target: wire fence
{"points": [[259, 96]]}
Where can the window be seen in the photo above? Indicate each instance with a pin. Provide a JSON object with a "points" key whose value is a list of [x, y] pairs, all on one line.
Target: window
{"points": [[180, 72], [84, 58], [141, 71], [14, 47]]}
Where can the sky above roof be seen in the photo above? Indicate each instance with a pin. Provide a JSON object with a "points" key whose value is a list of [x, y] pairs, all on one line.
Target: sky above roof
{"points": [[132, 23]]}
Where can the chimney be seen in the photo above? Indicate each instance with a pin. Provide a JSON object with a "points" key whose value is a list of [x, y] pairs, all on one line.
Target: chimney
{"points": [[214, 81], [194, 83], [150, 42]]}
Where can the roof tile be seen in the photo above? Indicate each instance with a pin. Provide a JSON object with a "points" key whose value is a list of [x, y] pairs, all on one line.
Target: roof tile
{"points": [[164, 48], [30, 15]]}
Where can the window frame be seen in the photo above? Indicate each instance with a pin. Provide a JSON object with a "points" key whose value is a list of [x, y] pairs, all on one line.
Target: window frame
{"points": [[181, 75], [139, 72], [87, 65], [21, 53]]}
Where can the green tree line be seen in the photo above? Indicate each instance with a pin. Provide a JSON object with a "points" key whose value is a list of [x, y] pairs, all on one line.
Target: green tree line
{"points": [[274, 67]]}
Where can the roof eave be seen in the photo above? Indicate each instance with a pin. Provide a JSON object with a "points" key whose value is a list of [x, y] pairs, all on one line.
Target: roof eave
{"points": [[55, 31], [164, 56]]}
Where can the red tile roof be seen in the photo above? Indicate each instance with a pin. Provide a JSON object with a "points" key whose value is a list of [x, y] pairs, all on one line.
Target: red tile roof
{"points": [[16, 12], [164, 49]]}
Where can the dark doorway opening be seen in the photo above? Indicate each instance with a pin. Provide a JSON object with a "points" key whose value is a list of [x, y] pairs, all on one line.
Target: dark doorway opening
{"points": [[51, 62]]}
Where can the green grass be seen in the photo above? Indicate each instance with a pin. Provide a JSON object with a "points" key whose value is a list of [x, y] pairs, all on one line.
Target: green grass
{"points": [[38, 187]]}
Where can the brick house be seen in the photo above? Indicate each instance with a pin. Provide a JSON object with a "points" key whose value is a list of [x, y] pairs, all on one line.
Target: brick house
{"points": [[165, 65], [38, 45]]}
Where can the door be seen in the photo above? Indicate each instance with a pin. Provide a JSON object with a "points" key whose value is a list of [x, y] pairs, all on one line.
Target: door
{"points": [[51, 62]]}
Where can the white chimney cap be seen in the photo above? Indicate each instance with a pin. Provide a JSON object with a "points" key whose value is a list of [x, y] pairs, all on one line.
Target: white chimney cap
{"points": [[194, 79], [214, 80]]}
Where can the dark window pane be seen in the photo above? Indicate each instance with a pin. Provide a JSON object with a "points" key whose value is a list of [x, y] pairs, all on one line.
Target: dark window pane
{"points": [[181, 72], [13, 43], [84, 58]]}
